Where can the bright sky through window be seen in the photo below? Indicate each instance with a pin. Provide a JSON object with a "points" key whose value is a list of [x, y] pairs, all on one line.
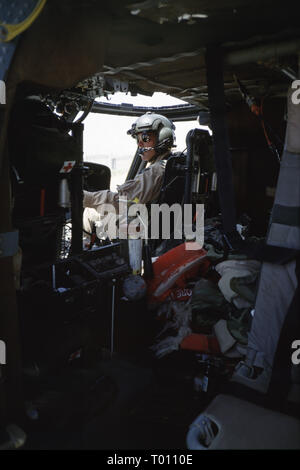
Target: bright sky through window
{"points": [[105, 136]]}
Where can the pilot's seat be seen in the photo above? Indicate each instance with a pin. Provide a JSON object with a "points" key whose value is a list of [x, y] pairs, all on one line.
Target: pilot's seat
{"points": [[172, 190]]}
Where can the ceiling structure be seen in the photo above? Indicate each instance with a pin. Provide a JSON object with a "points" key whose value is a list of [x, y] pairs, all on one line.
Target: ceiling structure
{"points": [[160, 45]]}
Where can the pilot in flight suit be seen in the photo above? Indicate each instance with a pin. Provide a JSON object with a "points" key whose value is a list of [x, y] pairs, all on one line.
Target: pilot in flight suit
{"points": [[155, 137]]}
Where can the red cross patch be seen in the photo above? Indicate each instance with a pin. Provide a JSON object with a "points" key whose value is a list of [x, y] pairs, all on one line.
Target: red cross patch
{"points": [[67, 166]]}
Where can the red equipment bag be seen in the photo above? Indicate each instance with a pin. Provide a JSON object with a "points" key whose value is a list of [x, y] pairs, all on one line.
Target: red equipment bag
{"points": [[173, 269]]}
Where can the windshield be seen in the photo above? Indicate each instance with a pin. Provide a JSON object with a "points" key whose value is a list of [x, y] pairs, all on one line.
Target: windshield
{"points": [[106, 140]]}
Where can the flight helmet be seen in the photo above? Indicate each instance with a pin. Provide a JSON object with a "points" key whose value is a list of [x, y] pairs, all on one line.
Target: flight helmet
{"points": [[162, 126]]}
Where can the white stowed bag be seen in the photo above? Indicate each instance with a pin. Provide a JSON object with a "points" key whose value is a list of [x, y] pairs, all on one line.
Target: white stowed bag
{"points": [[231, 269]]}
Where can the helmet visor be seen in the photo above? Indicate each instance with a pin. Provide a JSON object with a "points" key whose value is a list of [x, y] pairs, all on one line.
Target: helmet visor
{"points": [[145, 136]]}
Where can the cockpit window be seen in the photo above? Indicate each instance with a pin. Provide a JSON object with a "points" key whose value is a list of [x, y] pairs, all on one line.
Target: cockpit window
{"points": [[105, 135]]}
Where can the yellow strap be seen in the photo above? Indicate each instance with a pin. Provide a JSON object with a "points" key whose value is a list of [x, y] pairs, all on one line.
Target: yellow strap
{"points": [[14, 29]]}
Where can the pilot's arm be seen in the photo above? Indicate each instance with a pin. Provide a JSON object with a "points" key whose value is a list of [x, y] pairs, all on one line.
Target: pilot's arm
{"points": [[145, 187]]}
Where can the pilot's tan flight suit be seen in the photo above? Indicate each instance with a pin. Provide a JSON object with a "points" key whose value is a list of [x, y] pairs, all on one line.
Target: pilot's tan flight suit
{"points": [[145, 187]]}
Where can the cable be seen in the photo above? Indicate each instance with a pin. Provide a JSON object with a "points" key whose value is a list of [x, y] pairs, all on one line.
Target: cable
{"points": [[257, 109]]}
